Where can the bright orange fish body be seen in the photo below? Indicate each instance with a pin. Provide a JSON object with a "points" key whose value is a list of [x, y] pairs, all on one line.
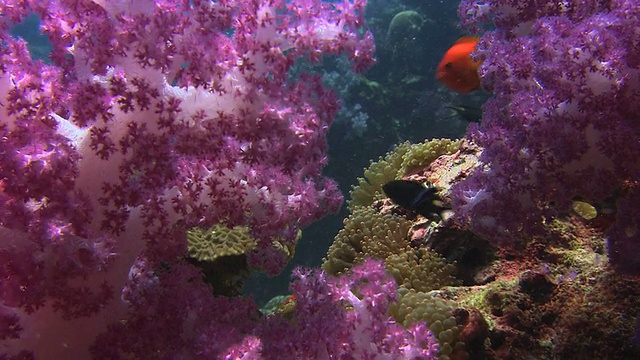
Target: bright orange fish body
{"points": [[457, 70]]}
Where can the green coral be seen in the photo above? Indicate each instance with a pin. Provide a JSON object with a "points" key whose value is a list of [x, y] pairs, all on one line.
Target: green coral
{"points": [[377, 174], [219, 241], [414, 306], [366, 233], [421, 270], [419, 156]]}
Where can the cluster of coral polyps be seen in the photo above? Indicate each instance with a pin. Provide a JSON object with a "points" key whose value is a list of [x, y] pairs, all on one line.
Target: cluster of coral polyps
{"points": [[553, 296]]}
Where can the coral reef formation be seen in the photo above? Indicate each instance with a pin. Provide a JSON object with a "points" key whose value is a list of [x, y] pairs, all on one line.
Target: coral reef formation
{"points": [[366, 233], [373, 230], [563, 125], [221, 253], [542, 297], [369, 187], [396, 164], [354, 310], [155, 117], [370, 234], [415, 306]]}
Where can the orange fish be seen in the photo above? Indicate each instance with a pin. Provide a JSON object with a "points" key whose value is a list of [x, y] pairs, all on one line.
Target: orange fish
{"points": [[457, 70]]}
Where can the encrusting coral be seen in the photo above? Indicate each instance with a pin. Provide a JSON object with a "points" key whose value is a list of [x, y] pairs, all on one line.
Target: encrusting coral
{"points": [[219, 241], [221, 253]]}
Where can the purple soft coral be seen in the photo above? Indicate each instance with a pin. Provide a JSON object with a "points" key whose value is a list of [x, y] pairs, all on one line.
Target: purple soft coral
{"points": [[564, 121], [353, 309], [156, 116], [334, 318]]}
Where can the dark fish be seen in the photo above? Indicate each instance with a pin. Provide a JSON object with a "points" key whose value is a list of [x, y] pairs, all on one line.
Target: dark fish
{"points": [[413, 195], [468, 113]]}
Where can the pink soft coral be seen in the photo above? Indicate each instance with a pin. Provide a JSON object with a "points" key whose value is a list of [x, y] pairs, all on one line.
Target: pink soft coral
{"points": [[334, 318], [156, 116], [339, 318]]}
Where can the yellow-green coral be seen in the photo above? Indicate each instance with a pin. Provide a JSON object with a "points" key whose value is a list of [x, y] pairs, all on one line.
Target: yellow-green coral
{"points": [[404, 158], [421, 269], [369, 234], [585, 210], [420, 155], [220, 252], [366, 233], [413, 306], [218, 241], [377, 174]]}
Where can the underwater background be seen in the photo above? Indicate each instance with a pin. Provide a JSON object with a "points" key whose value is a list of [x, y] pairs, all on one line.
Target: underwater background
{"points": [[398, 99], [528, 247]]}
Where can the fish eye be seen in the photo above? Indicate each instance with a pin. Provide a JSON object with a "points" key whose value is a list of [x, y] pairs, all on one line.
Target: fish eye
{"points": [[448, 65]]}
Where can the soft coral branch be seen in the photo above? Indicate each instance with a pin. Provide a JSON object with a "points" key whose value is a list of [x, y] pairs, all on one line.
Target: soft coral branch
{"points": [[156, 116], [563, 123]]}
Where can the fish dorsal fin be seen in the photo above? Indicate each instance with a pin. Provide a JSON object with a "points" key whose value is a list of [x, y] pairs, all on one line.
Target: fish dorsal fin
{"points": [[467, 39]]}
